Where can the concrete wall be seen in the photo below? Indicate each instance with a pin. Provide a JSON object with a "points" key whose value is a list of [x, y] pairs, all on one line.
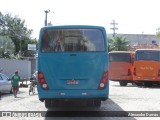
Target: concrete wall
{"points": [[10, 65], [33, 65]]}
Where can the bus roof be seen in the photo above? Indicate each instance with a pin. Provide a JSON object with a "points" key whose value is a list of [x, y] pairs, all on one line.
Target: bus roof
{"points": [[73, 26]]}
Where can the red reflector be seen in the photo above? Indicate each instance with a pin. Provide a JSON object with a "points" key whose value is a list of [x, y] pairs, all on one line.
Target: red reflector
{"points": [[42, 80], [104, 80]]}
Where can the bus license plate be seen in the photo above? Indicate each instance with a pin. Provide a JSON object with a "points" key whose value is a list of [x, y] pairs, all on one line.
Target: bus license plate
{"points": [[73, 82]]}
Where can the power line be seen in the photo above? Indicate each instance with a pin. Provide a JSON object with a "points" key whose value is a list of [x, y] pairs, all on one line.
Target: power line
{"points": [[114, 27]]}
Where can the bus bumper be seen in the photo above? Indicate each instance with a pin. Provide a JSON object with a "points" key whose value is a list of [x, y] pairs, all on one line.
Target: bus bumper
{"points": [[73, 94]]}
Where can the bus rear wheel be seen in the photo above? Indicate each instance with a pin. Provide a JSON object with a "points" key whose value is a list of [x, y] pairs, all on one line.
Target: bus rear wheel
{"points": [[122, 83], [139, 84], [147, 84]]}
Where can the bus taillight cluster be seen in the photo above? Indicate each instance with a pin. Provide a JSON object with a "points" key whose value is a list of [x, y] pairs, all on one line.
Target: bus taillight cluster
{"points": [[42, 81], [103, 81]]}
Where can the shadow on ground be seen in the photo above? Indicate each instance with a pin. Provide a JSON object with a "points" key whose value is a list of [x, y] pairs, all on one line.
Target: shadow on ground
{"points": [[73, 110]]}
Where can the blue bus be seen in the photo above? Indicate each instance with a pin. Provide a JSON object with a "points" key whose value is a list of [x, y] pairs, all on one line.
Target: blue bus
{"points": [[73, 64]]}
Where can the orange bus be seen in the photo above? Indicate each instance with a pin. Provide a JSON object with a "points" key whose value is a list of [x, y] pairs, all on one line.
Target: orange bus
{"points": [[121, 67], [146, 67]]}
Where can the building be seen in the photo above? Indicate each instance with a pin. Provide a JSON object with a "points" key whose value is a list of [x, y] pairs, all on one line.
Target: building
{"points": [[141, 41]]}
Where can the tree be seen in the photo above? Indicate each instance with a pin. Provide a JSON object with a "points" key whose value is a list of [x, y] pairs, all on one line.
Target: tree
{"points": [[15, 28], [158, 32], [110, 45], [118, 43], [6, 47]]}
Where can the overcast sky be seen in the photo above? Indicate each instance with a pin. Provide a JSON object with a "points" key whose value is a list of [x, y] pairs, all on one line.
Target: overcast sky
{"points": [[132, 16]]}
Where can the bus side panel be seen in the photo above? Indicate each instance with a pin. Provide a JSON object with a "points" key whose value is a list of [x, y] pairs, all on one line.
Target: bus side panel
{"points": [[121, 69]]}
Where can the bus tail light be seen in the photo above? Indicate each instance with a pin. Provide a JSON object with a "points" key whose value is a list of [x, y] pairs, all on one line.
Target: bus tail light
{"points": [[42, 81], [129, 72], [103, 81], [158, 72], [134, 72]]}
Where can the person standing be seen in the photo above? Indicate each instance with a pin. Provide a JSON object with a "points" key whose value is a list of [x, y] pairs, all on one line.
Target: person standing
{"points": [[15, 83]]}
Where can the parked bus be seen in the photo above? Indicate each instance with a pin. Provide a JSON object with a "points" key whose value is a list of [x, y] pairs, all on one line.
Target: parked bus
{"points": [[121, 67], [73, 64], [146, 67]]}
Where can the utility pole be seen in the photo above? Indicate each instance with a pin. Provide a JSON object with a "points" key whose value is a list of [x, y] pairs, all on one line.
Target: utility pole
{"points": [[114, 27], [46, 12]]}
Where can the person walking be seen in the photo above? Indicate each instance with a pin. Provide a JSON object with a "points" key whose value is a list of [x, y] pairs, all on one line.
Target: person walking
{"points": [[15, 83]]}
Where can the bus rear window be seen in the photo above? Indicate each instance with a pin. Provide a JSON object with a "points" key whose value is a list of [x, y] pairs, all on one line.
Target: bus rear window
{"points": [[119, 57], [67, 40], [147, 55]]}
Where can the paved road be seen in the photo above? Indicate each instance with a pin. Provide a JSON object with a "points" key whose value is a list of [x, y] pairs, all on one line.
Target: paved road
{"points": [[129, 98]]}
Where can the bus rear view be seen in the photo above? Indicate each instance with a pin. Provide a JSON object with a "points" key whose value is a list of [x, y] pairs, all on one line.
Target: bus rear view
{"points": [[146, 67], [121, 67], [73, 64]]}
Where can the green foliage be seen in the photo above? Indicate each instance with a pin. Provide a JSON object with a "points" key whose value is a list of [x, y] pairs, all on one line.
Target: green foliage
{"points": [[6, 47], [118, 44], [110, 45], [158, 32], [16, 30]]}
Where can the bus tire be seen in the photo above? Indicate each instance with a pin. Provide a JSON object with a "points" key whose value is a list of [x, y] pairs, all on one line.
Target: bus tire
{"points": [[147, 84], [123, 83], [48, 103], [139, 84]]}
